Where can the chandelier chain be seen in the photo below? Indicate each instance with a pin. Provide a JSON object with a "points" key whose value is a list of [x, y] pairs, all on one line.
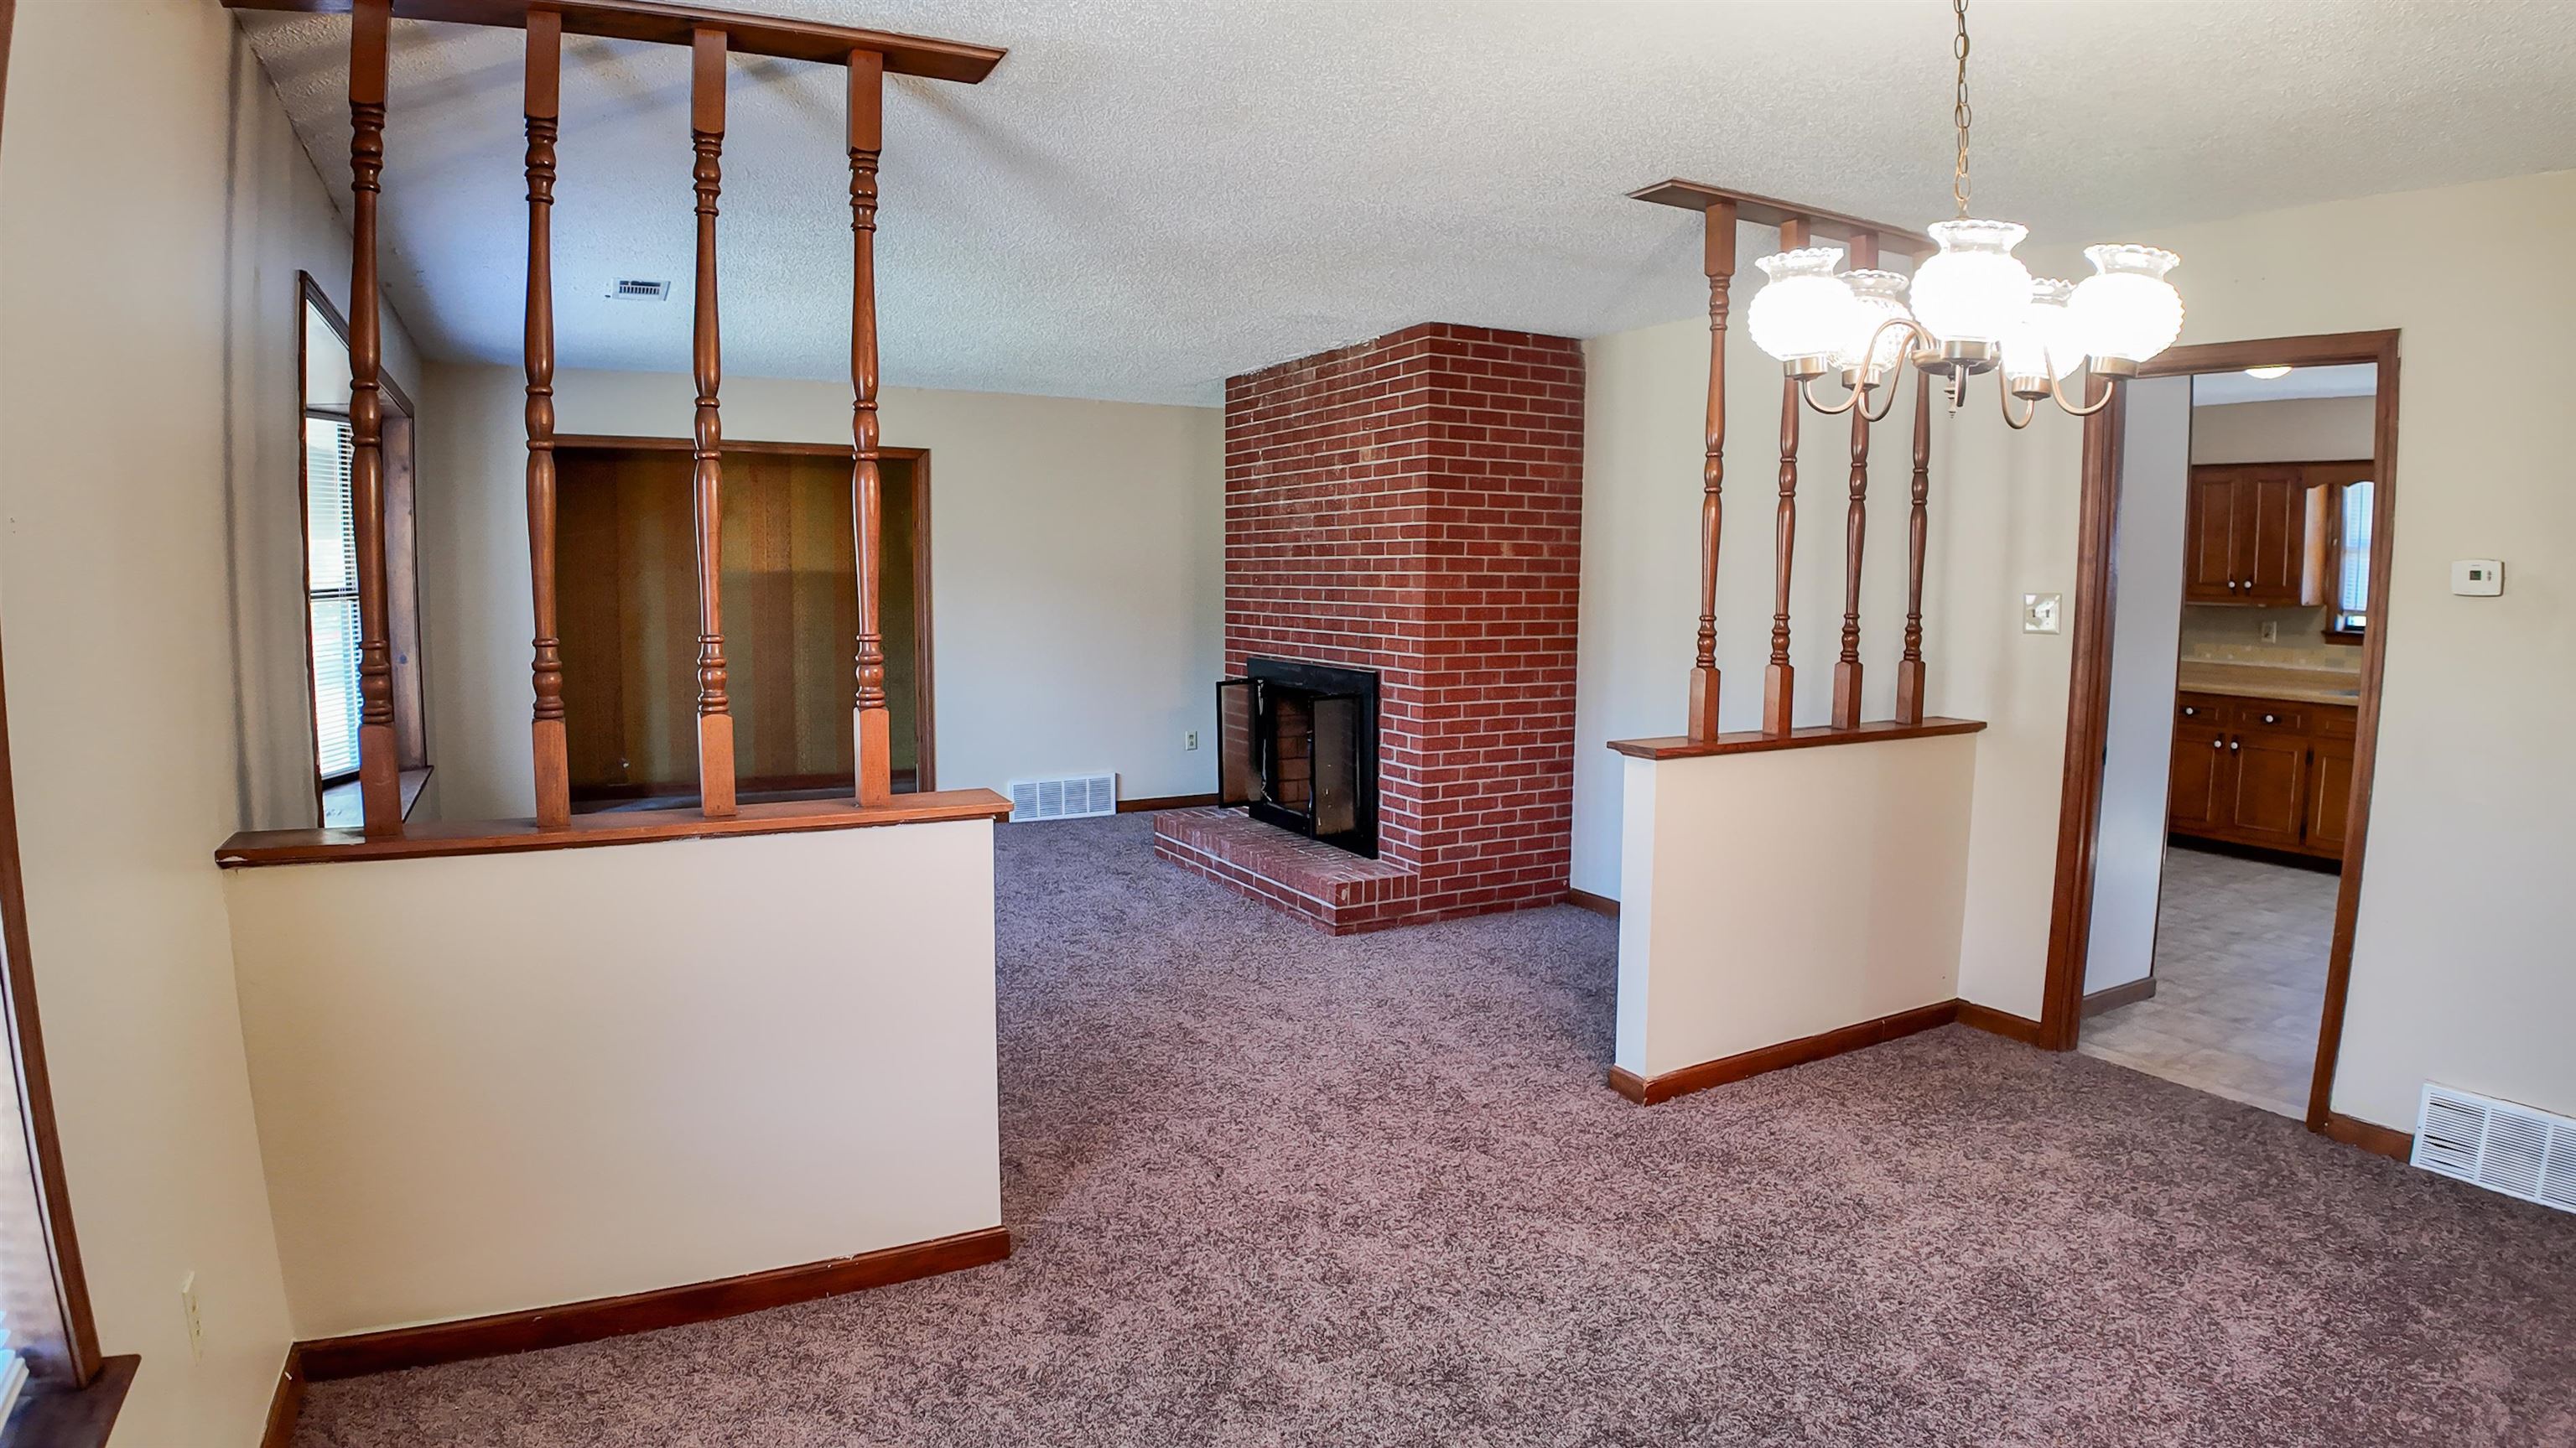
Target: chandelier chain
{"points": [[1959, 112]]}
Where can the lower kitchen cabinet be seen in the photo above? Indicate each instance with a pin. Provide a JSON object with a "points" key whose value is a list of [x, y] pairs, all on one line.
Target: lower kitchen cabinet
{"points": [[2262, 772]]}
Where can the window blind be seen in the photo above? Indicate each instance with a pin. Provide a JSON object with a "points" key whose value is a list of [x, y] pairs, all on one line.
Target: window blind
{"points": [[2352, 573], [332, 582]]}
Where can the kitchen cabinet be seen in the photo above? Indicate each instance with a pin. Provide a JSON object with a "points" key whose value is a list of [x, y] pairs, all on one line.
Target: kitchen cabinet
{"points": [[2265, 772], [2247, 535]]}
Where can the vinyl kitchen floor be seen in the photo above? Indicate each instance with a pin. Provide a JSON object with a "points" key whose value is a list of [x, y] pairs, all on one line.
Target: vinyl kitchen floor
{"points": [[2240, 982]]}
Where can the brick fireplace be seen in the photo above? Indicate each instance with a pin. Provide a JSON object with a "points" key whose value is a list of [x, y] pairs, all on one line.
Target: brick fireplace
{"points": [[1412, 506]]}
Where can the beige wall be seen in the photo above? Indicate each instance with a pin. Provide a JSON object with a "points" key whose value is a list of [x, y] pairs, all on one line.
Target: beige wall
{"points": [[154, 208], [1646, 396], [1843, 906], [593, 1083], [2459, 973], [2295, 429], [1077, 570]]}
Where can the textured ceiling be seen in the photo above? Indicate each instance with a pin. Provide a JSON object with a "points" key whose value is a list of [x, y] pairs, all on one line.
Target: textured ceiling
{"points": [[2218, 389], [1150, 195]]}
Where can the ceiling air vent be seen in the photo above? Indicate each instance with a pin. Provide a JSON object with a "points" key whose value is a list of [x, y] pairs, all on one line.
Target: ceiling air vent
{"points": [[2498, 1145], [631, 289], [1064, 799]]}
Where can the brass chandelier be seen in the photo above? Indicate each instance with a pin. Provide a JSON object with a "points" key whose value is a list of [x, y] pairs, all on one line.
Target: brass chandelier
{"points": [[1972, 307]]}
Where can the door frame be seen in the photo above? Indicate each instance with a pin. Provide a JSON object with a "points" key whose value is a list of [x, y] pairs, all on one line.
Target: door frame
{"points": [[2088, 696], [919, 457]]}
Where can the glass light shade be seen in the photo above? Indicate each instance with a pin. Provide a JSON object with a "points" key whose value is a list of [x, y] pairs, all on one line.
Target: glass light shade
{"points": [[1878, 297], [1973, 289], [1805, 312], [2044, 345], [2126, 311]]}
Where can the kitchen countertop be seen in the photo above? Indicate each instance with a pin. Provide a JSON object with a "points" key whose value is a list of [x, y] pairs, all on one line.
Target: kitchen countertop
{"points": [[2270, 681]]}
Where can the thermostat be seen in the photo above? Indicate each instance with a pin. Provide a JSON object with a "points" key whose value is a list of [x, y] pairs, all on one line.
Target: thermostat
{"points": [[2477, 577]]}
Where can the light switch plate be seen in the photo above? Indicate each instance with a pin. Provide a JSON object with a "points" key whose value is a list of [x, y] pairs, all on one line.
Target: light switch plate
{"points": [[2041, 612], [2477, 577]]}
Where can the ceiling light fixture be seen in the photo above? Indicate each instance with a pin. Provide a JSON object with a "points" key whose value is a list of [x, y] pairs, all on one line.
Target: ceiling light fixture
{"points": [[1975, 308], [2281, 369]]}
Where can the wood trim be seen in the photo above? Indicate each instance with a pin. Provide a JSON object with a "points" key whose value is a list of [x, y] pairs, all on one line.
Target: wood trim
{"points": [[361, 1354], [2088, 701], [666, 24], [286, 1405], [2000, 1023], [78, 1418], [1597, 904], [2379, 1140], [925, 724], [1168, 801], [1754, 741], [620, 827], [2111, 998], [1769, 211], [1647, 1090]]}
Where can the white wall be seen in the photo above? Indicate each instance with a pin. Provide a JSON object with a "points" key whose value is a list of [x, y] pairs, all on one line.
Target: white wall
{"points": [[1646, 396], [1077, 570], [2146, 628], [1841, 908], [154, 208], [2459, 971], [627, 1067]]}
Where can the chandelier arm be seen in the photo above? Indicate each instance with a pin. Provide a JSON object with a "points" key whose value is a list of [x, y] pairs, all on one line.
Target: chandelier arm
{"points": [[1889, 405], [2030, 412], [2057, 389], [1807, 389]]}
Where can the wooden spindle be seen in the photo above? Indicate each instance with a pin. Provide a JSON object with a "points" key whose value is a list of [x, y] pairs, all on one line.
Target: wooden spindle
{"points": [[871, 724], [1718, 252], [545, 670], [1779, 681], [1909, 669], [379, 771], [1847, 672], [715, 716]]}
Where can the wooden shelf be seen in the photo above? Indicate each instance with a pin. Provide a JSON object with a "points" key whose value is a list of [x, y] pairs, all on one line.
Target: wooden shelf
{"points": [[492, 837], [1754, 741]]}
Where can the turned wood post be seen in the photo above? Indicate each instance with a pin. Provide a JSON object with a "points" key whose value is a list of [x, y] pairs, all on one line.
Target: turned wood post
{"points": [[1847, 672], [715, 717], [545, 669], [379, 771], [1718, 250], [1909, 669], [872, 726], [1779, 681]]}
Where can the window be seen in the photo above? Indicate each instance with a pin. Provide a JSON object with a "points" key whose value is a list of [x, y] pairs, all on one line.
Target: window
{"points": [[2352, 562], [331, 569]]}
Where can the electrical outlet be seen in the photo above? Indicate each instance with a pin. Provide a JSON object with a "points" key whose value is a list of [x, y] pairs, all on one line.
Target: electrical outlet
{"points": [[1192, 742], [196, 1323], [2271, 630]]}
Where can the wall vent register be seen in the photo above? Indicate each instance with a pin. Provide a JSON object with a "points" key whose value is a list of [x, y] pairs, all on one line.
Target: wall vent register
{"points": [[1078, 797], [2498, 1145]]}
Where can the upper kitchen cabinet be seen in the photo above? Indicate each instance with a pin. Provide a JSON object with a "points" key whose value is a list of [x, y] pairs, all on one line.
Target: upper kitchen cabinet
{"points": [[2260, 533]]}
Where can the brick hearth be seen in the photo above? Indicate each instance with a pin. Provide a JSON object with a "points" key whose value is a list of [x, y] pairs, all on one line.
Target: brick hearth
{"points": [[1414, 505]]}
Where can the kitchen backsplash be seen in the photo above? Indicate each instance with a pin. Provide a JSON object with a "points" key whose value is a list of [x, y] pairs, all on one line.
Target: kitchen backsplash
{"points": [[2229, 634]]}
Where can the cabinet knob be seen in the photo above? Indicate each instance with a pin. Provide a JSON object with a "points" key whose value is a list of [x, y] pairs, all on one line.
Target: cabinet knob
{"points": [[2218, 743], [2188, 711], [2235, 746], [2271, 718]]}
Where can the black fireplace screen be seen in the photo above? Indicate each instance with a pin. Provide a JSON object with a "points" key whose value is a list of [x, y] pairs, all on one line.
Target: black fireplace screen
{"points": [[1297, 743]]}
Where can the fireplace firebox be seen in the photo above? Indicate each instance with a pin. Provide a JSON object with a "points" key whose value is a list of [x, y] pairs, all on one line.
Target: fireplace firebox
{"points": [[1297, 745]]}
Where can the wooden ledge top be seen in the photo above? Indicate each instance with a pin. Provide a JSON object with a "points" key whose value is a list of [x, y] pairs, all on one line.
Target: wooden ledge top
{"points": [[617, 827], [1754, 741], [671, 24]]}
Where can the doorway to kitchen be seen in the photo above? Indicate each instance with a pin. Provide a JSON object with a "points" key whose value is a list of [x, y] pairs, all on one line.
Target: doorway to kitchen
{"points": [[2229, 633], [627, 575]]}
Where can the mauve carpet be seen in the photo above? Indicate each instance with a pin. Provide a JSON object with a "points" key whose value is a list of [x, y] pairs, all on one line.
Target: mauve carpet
{"points": [[1274, 1188]]}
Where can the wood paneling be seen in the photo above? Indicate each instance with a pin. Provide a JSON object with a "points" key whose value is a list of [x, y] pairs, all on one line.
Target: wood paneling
{"points": [[328, 1358], [627, 586]]}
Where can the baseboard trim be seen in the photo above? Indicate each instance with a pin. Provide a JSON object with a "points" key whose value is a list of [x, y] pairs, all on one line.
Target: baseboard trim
{"points": [[1597, 904], [286, 1405], [2111, 998], [360, 1354], [1647, 1090], [1169, 801], [2002, 1023], [2370, 1136]]}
